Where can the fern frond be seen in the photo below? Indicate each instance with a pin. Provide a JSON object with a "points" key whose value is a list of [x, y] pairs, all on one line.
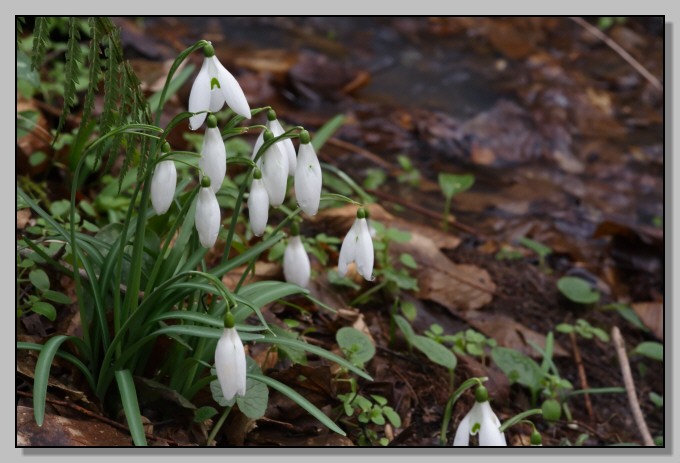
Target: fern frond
{"points": [[41, 32], [94, 61], [20, 21], [73, 62]]}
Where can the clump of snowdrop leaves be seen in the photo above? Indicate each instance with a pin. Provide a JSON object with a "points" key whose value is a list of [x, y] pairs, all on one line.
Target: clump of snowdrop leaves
{"points": [[480, 419], [296, 266], [163, 183], [357, 247], [230, 361], [213, 162], [214, 86], [258, 204], [207, 218], [307, 176], [286, 145]]}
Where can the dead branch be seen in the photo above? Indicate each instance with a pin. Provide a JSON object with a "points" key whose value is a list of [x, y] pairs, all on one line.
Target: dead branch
{"points": [[630, 387]]}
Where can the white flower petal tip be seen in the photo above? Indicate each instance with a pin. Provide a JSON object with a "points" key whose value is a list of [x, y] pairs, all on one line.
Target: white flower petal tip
{"points": [[275, 174], [213, 160], [286, 145], [207, 218], [296, 265], [357, 247], [214, 86], [483, 421], [308, 180], [230, 363], [258, 207], [163, 184]]}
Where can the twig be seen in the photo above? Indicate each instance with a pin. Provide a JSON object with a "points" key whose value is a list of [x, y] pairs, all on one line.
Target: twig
{"points": [[581, 374], [630, 387], [618, 49], [91, 414]]}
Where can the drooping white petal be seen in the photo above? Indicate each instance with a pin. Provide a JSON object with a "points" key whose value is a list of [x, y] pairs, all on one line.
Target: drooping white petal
{"points": [[348, 250], [230, 363], [199, 98], [233, 94], [213, 158], [480, 419], [258, 206], [216, 95], [308, 179], [258, 143], [462, 437], [286, 145], [296, 266], [489, 433], [364, 251], [163, 184], [207, 217], [275, 174]]}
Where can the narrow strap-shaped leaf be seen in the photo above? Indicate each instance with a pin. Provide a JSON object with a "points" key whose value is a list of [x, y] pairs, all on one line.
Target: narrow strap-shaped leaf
{"points": [[128, 397], [298, 399], [316, 350], [42, 375], [66, 356]]}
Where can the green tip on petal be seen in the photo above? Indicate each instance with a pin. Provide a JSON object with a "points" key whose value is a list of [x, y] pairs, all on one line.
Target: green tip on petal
{"points": [[304, 137], [536, 438], [229, 320], [361, 213], [208, 51], [268, 135], [271, 115], [211, 121], [205, 182], [481, 394], [257, 174], [295, 229], [166, 147]]}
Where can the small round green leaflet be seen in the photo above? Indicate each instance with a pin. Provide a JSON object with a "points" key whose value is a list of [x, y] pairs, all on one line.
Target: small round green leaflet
{"points": [[357, 346], [578, 290]]}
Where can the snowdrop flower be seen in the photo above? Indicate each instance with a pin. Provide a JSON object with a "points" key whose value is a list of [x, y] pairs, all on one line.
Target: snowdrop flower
{"points": [[296, 267], [213, 160], [307, 177], [207, 216], [258, 204], [357, 247], [214, 86], [274, 166], [163, 183], [230, 361], [286, 145], [480, 419]]}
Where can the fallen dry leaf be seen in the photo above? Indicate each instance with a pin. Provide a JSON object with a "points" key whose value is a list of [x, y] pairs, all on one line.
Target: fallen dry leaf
{"points": [[59, 431], [23, 217], [509, 333], [651, 314]]}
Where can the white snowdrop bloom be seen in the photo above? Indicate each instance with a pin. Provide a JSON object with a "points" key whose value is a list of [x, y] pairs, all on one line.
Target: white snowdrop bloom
{"points": [[163, 184], [307, 177], [274, 167], [230, 363], [258, 204], [286, 145], [357, 247], [480, 419], [213, 160], [207, 218], [214, 86], [296, 266]]}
